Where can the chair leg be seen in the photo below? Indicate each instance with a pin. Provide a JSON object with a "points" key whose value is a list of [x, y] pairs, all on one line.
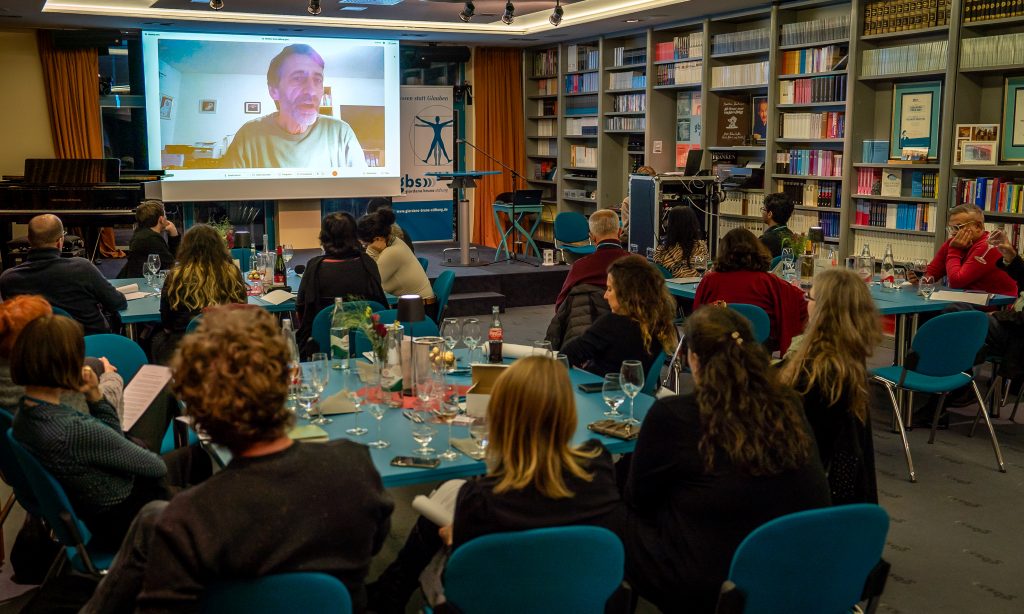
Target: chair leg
{"points": [[991, 429], [903, 431], [935, 418], [1016, 403]]}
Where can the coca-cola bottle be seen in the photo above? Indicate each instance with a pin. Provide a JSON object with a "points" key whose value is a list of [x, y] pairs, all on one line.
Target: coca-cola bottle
{"points": [[495, 336]]}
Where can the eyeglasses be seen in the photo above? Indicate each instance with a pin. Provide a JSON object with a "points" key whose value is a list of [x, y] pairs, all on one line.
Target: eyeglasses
{"points": [[958, 227]]}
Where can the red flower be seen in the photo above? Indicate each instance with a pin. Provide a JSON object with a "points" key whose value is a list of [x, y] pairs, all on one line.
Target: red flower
{"points": [[375, 318], [380, 329]]}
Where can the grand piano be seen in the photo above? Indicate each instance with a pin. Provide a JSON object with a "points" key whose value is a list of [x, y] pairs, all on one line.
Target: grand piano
{"points": [[87, 193]]}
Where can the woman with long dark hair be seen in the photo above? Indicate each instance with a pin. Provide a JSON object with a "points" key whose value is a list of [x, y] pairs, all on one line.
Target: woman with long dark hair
{"points": [[400, 271], [712, 466], [682, 243]]}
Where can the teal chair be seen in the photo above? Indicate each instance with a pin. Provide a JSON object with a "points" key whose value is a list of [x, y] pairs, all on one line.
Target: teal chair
{"points": [[60, 516], [13, 474], [558, 569], [813, 562], [286, 592], [423, 262], [194, 323], [667, 274], [757, 317], [243, 255], [653, 378], [425, 328], [122, 352], [775, 262], [442, 292], [941, 361], [57, 311], [322, 325], [571, 227]]}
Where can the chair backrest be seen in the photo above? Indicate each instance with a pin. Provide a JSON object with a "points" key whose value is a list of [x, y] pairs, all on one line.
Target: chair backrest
{"points": [[242, 255], [194, 323], [57, 311], [947, 344], [810, 562], [559, 569], [322, 322], [667, 274], [757, 317], [122, 352], [287, 592], [423, 262], [775, 262], [442, 291], [653, 376], [571, 227], [424, 328], [14, 475]]}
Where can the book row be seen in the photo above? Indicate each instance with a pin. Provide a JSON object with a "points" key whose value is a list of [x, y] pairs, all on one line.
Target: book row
{"points": [[581, 126], [895, 216], [829, 125], [828, 221], [547, 127], [585, 83], [679, 74], [905, 58], [1001, 50], [821, 162], [819, 30], [992, 194], [734, 42], [902, 15], [629, 56], [547, 147], [544, 171], [582, 156], [984, 10], [581, 57], [629, 103], [547, 107], [814, 89], [755, 73], [812, 193], [905, 248], [809, 61], [681, 47], [625, 123], [545, 63], [742, 203], [626, 80], [890, 182], [547, 87]]}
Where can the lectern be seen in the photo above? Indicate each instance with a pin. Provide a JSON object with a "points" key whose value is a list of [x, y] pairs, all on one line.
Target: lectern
{"points": [[460, 181]]}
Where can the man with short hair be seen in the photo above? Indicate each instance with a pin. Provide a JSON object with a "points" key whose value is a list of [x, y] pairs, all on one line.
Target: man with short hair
{"points": [[296, 135], [776, 212], [593, 268], [73, 284], [966, 259], [151, 221]]}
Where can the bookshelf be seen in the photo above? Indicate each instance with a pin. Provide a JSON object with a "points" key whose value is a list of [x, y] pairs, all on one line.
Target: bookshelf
{"points": [[624, 63], [541, 87], [581, 127]]}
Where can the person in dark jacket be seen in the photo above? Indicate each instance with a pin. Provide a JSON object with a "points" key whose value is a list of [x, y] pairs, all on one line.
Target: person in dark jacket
{"points": [[151, 221], [1006, 328], [776, 212], [592, 268], [584, 305], [73, 284]]}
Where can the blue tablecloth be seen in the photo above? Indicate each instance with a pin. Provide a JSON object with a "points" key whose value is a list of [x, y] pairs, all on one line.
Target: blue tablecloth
{"points": [[148, 309]]}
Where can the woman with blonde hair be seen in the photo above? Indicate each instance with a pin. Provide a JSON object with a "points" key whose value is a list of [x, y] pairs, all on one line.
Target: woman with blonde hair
{"points": [[829, 370], [535, 477], [205, 275], [639, 325]]}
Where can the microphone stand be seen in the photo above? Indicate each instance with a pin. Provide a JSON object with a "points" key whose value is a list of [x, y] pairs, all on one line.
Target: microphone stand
{"points": [[515, 190]]}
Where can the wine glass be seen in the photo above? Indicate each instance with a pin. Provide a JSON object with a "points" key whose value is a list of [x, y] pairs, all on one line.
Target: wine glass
{"points": [[319, 375], [446, 411], [158, 281], [614, 396], [423, 434], [152, 264], [480, 433], [287, 252], [377, 411], [632, 379], [563, 360], [471, 335], [425, 390], [926, 287], [700, 264], [542, 348], [787, 255], [450, 331], [356, 393], [307, 396]]}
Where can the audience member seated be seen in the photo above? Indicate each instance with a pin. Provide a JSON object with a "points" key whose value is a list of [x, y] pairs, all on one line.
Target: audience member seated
{"points": [[375, 205], [151, 222], [639, 325], [344, 270], [741, 276], [592, 268], [107, 477], [827, 365], [14, 315], [646, 171], [400, 271], [279, 506], [682, 243], [534, 479], [584, 306], [73, 284], [1006, 328], [712, 466], [205, 275], [964, 259], [776, 212]]}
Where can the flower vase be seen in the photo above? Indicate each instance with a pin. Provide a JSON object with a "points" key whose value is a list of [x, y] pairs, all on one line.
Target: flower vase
{"points": [[389, 364]]}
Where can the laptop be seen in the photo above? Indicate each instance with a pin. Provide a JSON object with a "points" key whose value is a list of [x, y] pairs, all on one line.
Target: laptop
{"points": [[693, 160]]}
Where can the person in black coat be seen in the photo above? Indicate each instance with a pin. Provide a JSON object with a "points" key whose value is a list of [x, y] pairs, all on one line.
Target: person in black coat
{"points": [[151, 221], [1006, 328]]}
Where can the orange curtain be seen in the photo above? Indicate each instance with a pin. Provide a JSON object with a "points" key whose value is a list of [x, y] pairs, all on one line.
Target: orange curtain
{"points": [[71, 77], [498, 102]]}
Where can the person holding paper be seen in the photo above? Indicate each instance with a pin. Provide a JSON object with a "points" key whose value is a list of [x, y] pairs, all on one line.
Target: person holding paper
{"points": [[966, 259], [73, 284], [682, 243], [535, 478]]}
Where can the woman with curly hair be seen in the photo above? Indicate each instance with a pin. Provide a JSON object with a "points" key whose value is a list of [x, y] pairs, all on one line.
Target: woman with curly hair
{"points": [[639, 325], [828, 367], [741, 276], [712, 466], [204, 275]]}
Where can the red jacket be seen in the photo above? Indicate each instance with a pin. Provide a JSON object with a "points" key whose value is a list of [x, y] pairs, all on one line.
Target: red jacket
{"points": [[973, 269], [784, 303], [592, 269]]}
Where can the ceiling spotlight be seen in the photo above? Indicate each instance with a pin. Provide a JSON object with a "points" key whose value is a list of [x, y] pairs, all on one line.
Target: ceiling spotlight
{"points": [[467, 12], [314, 7], [509, 15], [556, 15], [216, 4]]}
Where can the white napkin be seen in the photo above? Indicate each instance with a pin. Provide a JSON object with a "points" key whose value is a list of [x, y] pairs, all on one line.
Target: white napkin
{"points": [[277, 297], [337, 403], [130, 288]]}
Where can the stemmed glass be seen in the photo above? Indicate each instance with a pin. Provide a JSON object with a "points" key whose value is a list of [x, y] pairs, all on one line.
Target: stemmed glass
{"points": [[480, 434], [447, 409], [151, 267], [926, 286], [450, 331], [614, 396], [700, 264], [377, 411], [158, 281], [357, 394], [563, 360], [471, 335], [423, 434], [287, 252], [319, 375], [632, 379], [787, 255], [542, 348]]}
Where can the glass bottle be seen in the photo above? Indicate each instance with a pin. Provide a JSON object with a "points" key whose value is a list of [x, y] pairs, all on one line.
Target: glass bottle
{"points": [[294, 366], [866, 264], [888, 269], [495, 337], [280, 276], [339, 336], [391, 380]]}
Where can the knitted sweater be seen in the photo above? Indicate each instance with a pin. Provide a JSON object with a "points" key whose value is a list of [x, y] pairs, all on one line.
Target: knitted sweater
{"points": [[88, 454]]}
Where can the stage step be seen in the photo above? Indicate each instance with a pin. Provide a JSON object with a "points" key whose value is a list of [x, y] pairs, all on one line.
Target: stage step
{"points": [[474, 303]]}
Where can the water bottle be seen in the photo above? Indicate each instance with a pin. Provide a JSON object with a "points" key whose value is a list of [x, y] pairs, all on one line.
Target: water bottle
{"points": [[888, 269], [866, 265], [339, 336], [294, 366]]}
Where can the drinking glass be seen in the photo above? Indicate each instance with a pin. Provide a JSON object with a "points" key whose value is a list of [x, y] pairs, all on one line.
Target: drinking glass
{"points": [[480, 434], [356, 393], [319, 375], [377, 411], [153, 263], [307, 396], [471, 335], [287, 252], [542, 348], [787, 255], [563, 360], [700, 264], [926, 286], [447, 410], [423, 434], [158, 281], [632, 379], [614, 396], [451, 332]]}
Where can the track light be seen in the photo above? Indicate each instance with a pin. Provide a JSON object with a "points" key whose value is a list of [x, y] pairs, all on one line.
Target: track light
{"points": [[467, 12], [216, 4], [509, 15], [314, 7], [556, 15]]}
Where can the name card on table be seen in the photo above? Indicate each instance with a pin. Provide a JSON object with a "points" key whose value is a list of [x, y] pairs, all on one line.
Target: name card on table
{"points": [[974, 298]]}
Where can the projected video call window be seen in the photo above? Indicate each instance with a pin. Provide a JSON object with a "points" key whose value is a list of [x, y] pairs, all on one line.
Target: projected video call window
{"points": [[252, 107]]}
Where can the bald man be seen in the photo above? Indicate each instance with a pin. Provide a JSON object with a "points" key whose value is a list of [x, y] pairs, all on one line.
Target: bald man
{"points": [[73, 284]]}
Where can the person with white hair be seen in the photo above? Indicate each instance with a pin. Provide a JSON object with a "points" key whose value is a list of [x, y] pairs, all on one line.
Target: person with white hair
{"points": [[593, 268]]}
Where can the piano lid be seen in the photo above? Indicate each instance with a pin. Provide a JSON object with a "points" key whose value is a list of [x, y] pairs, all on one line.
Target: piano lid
{"points": [[72, 171]]}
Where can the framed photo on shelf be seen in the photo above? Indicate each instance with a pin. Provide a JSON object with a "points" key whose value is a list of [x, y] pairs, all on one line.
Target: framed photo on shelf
{"points": [[1013, 120], [975, 133], [978, 152], [759, 117], [915, 118]]}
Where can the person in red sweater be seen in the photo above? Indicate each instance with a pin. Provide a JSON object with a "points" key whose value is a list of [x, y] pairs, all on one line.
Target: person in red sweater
{"points": [[741, 276], [966, 259], [593, 269]]}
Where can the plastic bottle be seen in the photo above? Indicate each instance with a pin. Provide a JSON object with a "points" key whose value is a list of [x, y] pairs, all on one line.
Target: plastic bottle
{"points": [[888, 269], [495, 337], [294, 366], [339, 336]]}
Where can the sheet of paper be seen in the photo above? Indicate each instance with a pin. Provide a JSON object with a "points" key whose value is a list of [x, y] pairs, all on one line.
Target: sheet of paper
{"points": [[974, 298], [277, 297], [439, 507], [131, 296], [128, 289], [141, 391]]}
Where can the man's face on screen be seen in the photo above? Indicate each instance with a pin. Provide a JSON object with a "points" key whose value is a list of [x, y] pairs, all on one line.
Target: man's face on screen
{"points": [[299, 91]]}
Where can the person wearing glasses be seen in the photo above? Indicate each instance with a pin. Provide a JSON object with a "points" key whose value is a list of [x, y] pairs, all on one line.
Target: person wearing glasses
{"points": [[966, 259]]}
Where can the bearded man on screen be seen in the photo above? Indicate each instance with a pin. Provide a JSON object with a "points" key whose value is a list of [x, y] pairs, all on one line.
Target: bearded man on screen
{"points": [[296, 135]]}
